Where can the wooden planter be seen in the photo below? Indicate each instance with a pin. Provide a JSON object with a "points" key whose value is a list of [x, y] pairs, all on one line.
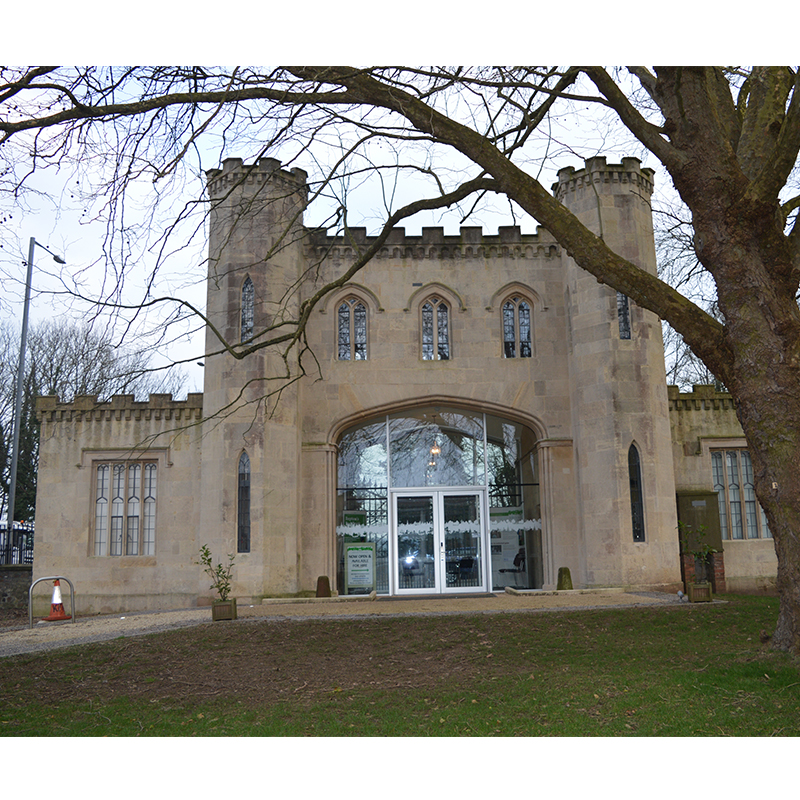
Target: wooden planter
{"points": [[699, 592], [223, 609]]}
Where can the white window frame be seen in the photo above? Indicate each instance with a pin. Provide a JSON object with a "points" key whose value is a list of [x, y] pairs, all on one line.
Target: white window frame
{"points": [[99, 540]]}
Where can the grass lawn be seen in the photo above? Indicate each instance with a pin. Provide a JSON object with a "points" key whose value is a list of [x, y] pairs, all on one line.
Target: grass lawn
{"points": [[700, 670]]}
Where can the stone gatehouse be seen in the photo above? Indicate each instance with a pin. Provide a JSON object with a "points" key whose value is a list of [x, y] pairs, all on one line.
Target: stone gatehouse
{"points": [[476, 413]]}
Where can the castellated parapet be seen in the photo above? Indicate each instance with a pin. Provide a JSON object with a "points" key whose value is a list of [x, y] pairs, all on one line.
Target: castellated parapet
{"points": [[604, 177], [121, 406], [703, 397], [470, 242], [235, 173]]}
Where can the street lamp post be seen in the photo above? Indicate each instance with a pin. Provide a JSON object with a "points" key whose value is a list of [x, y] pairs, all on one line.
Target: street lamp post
{"points": [[12, 489]]}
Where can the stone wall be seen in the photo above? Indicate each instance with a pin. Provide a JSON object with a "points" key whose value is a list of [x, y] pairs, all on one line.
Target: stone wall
{"points": [[75, 438], [702, 420], [15, 581]]}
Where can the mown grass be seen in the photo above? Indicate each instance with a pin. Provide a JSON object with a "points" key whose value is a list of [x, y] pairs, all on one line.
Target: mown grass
{"points": [[687, 671]]}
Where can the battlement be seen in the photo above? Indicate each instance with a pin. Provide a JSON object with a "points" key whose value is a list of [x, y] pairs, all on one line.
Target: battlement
{"points": [[121, 406], [703, 397], [235, 173], [470, 242], [597, 171]]}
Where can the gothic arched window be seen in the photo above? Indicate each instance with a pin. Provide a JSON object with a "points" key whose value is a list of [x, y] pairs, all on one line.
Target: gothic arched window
{"points": [[243, 506], [637, 497], [248, 310], [435, 330], [517, 328], [351, 327]]}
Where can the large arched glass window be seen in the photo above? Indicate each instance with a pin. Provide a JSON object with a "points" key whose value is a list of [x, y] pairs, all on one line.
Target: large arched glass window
{"points": [[437, 449], [637, 498], [516, 328], [243, 506], [248, 310], [435, 330], [351, 322]]}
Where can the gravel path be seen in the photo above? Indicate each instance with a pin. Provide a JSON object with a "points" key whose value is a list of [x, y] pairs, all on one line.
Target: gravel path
{"points": [[51, 635]]}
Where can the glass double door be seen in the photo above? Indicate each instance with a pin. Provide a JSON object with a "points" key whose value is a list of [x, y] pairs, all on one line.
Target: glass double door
{"points": [[438, 542]]}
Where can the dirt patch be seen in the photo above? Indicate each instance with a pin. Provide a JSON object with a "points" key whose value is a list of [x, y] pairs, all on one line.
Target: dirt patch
{"points": [[281, 651], [260, 661]]}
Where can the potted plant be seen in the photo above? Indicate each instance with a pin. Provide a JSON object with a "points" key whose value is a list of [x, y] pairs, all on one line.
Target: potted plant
{"points": [[224, 607], [693, 541]]}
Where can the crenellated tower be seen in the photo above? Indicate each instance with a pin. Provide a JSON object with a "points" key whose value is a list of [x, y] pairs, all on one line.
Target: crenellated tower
{"points": [[621, 432], [256, 235], [255, 267]]}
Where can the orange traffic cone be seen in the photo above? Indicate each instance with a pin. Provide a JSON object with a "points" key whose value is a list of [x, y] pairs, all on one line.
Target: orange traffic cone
{"points": [[56, 606]]}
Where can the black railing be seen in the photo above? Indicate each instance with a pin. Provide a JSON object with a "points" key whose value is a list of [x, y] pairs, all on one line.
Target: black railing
{"points": [[16, 546]]}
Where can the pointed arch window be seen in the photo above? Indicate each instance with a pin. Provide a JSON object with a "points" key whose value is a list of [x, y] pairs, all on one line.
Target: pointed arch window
{"points": [[624, 315], [637, 497], [516, 328], [435, 330], [351, 324], [243, 506], [248, 310]]}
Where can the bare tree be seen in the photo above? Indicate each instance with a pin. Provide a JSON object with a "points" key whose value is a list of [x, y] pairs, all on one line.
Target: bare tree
{"points": [[727, 138], [679, 266], [64, 359]]}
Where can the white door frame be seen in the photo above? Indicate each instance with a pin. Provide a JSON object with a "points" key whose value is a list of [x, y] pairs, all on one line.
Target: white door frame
{"points": [[436, 565]]}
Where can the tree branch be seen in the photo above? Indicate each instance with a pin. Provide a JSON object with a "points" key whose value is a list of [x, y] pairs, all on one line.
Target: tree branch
{"points": [[704, 333], [648, 134]]}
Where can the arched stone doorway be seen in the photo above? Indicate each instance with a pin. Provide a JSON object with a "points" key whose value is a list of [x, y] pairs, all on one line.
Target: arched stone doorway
{"points": [[445, 500]]}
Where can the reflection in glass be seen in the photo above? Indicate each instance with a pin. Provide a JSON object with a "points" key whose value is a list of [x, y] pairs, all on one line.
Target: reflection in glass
{"points": [[719, 487], [515, 536], [462, 541], [738, 505], [352, 330], [436, 447], [516, 328], [416, 554], [362, 456]]}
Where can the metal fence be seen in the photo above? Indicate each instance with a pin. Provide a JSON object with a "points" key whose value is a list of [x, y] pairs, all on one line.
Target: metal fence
{"points": [[16, 546]]}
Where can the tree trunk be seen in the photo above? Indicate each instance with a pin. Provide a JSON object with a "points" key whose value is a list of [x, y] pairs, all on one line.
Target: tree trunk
{"points": [[763, 335], [771, 424]]}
